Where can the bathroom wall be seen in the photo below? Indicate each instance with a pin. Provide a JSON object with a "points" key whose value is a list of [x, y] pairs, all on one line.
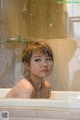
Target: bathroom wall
{"points": [[11, 69], [34, 19], [41, 20]]}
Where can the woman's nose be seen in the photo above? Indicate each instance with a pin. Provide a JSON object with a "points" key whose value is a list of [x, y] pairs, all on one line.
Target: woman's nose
{"points": [[44, 63]]}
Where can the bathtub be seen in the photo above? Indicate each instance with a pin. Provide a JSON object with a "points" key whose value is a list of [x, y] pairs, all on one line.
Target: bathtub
{"points": [[61, 106]]}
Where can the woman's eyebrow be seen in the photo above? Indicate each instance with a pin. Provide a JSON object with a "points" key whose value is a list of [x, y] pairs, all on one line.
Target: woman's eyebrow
{"points": [[37, 56]]}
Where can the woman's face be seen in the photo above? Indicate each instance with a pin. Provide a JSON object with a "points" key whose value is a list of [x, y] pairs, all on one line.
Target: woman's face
{"points": [[40, 65]]}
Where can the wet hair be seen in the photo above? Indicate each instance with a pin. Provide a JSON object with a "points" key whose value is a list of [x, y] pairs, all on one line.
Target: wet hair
{"points": [[36, 47]]}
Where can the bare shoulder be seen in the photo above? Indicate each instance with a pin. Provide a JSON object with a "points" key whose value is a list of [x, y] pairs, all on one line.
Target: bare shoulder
{"points": [[25, 84], [23, 89], [47, 84]]}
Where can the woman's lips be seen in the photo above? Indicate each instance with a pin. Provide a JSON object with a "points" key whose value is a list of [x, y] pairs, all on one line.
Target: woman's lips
{"points": [[45, 70]]}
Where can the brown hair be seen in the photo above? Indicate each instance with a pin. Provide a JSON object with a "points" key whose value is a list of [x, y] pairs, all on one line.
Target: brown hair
{"points": [[38, 47]]}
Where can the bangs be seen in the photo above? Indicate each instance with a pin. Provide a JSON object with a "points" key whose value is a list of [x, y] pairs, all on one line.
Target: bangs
{"points": [[43, 50], [36, 47]]}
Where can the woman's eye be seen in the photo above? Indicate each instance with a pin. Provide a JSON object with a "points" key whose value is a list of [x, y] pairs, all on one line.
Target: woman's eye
{"points": [[37, 60], [49, 59]]}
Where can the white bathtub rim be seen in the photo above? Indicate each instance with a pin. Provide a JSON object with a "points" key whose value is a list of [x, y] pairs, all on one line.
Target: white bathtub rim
{"points": [[39, 103], [59, 99]]}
